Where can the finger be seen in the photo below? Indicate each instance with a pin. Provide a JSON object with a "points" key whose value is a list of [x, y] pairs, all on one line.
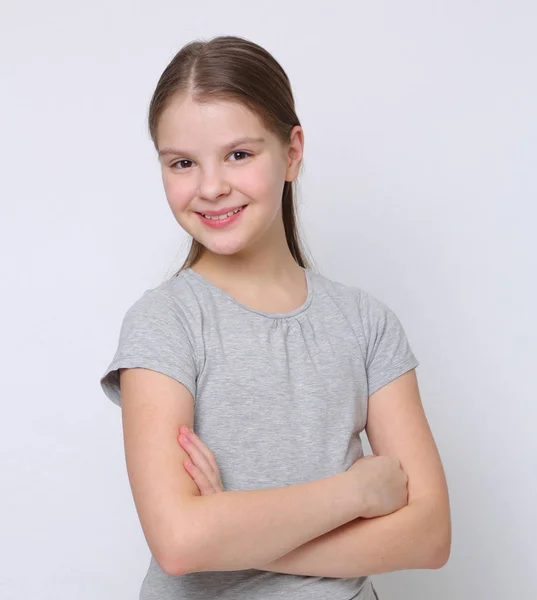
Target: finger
{"points": [[203, 483], [197, 456], [213, 476], [209, 456]]}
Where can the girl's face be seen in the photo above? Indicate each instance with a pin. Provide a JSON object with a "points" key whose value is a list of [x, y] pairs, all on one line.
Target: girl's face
{"points": [[209, 166]]}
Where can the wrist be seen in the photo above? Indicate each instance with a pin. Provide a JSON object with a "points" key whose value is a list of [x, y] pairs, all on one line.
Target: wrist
{"points": [[357, 494], [357, 501]]}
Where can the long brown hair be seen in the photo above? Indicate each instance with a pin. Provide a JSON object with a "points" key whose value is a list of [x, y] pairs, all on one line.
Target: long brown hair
{"points": [[234, 68]]}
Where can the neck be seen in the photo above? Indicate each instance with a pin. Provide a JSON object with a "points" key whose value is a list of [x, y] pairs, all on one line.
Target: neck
{"points": [[269, 261], [260, 270]]}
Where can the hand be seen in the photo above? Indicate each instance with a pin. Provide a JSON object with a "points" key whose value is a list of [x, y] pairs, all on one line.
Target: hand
{"points": [[203, 468], [382, 484]]}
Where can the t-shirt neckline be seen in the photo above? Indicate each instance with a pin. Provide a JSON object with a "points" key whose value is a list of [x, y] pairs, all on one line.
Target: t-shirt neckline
{"points": [[210, 285]]}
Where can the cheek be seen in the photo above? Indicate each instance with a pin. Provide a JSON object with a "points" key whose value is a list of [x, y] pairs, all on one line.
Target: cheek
{"points": [[261, 182], [178, 193]]}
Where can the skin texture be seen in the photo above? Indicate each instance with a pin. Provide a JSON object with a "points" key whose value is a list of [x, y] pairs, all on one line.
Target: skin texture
{"points": [[251, 261], [418, 536], [204, 174]]}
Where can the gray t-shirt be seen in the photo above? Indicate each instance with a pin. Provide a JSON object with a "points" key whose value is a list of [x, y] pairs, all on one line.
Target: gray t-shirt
{"points": [[280, 399]]}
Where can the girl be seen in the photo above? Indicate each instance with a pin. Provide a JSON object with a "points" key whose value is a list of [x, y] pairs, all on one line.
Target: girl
{"points": [[276, 368]]}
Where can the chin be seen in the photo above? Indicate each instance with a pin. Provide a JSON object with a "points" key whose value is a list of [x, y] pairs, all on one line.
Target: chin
{"points": [[226, 248]]}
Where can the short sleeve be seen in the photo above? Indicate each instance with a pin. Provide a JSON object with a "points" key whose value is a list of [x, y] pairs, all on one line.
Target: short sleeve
{"points": [[388, 353], [154, 335]]}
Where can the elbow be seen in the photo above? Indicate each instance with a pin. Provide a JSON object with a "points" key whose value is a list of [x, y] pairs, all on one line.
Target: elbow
{"points": [[178, 553], [440, 547], [435, 525], [170, 565], [440, 557], [177, 562]]}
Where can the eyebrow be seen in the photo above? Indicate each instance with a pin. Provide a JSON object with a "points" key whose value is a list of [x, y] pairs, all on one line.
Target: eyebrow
{"points": [[244, 140]]}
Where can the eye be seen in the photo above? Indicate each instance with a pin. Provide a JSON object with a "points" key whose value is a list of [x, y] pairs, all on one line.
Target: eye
{"points": [[179, 162], [240, 152], [183, 167]]}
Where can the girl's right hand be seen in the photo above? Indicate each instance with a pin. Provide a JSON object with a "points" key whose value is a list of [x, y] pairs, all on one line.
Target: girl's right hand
{"points": [[382, 484]]}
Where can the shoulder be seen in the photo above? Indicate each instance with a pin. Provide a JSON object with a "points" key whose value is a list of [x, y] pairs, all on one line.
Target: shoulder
{"points": [[356, 298], [370, 317], [385, 347], [157, 333], [172, 298]]}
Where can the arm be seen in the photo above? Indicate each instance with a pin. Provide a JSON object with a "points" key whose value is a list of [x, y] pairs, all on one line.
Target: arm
{"points": [[187, 532], [230, 524], [416, 537], [366, 547]]}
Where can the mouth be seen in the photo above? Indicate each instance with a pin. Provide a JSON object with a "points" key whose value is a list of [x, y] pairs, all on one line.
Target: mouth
{"points": [[220, 213], [217, 219]]}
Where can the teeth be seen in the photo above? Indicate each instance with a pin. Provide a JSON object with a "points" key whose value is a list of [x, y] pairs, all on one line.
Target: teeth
{"points": [[225, 216]]}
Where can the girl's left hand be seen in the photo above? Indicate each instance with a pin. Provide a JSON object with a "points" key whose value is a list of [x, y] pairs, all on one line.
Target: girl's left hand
{"points": [[203, 468]]}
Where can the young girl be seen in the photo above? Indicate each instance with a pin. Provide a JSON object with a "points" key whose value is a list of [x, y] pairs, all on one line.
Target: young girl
{"points": [[276, 368]]}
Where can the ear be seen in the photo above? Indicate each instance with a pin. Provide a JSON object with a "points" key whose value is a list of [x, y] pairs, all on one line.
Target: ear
{"points": [[295, 152]]}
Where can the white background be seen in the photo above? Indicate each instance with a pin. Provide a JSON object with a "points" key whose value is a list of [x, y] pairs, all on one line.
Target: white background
{"points": [[419, 186]]}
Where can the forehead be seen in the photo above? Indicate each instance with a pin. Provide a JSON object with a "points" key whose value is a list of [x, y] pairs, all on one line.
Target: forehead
{"points": [[188, 122]]}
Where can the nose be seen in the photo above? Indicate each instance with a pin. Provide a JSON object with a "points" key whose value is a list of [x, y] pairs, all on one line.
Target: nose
{"points": [[212, 184]]}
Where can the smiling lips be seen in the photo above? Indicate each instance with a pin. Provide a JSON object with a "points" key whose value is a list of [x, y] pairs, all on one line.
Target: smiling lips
{"points": [[217, 213], [218, 219]]}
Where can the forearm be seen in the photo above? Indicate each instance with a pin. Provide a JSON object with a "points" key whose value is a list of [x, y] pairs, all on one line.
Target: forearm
{"points": [[414, 537], [236, 530]]}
